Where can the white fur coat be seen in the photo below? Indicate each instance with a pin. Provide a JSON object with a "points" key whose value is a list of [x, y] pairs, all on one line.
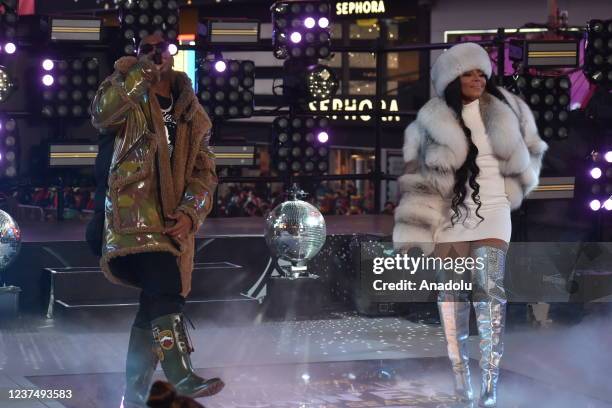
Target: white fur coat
{"points": [[435, 146]]}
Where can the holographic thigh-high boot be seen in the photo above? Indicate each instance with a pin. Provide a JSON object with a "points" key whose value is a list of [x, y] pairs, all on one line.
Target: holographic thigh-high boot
{"points": [[454, 308], [490, 306]]}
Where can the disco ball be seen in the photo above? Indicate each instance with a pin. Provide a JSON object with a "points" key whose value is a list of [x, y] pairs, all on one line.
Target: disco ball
{"points": [[10, 240], [295, 231]]}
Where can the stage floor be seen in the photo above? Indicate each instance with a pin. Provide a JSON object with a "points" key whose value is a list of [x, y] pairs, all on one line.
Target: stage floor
{"points": [[342, 360], [74, 230]]}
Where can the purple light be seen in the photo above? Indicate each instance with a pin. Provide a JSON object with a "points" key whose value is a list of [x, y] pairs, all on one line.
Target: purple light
{"points": [[309, 22], [172, 49], [296, 37], [608, 204], [48, 65], [323, 22], [47, 80], [10, 48], [323, 137], [220, 66], [608, 156], [596, 172], [595, 205]]}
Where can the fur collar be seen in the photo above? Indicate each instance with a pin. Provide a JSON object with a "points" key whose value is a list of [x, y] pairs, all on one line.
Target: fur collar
{"points": [[502, 124]]}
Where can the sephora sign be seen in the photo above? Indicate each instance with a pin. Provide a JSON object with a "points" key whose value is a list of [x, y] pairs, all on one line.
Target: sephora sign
{"points": [[358, 8]]}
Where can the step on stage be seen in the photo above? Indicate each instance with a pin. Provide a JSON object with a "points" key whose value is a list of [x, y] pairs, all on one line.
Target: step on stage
{"points": [[57, 272]]}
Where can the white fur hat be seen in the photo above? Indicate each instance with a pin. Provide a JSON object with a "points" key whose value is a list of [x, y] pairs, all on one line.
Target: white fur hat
{"points": [[455, 61]]}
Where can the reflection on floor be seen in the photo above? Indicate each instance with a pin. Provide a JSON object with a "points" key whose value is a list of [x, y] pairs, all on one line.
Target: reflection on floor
{"points": [[342, 360], [421, 382]]}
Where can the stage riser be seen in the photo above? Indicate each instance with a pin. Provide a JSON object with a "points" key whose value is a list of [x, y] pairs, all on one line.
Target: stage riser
{"points": [[250, 255]]}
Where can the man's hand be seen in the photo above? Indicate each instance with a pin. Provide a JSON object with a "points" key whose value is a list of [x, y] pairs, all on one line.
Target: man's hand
{"points": [[181, 228]]}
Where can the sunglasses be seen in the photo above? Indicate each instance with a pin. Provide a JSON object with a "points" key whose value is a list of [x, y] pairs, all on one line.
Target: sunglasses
{"points": [[148, 48]]}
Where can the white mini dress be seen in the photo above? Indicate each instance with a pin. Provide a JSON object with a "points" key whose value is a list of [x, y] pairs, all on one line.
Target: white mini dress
{"points": [[495, 207]]}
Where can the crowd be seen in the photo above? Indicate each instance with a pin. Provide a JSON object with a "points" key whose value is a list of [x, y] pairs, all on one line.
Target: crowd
{"points": [[238, 201], [232, 201]]}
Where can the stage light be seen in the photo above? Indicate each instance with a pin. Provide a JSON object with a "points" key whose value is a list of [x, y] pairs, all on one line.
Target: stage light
{"points": [[226, 87], [309, 22], [10, 48], [302, 15], [306, 83], [9, 146], [48, 65], [172, 49], [47, 80], [608, 204], [595, 205], [598, 53], [596, 173], [296, 37], [139, 18], [608, 156], [70, 86], [6, 84], [220, 66], [295, 149], [548, 98]]}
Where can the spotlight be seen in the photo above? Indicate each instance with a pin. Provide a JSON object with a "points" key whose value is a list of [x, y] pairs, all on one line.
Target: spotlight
{"points": [[10, 48], [220, 66], [548, 98], [597, 185], [304, 15], [596, 173], [172, 49], [47, 80], [5, 84], [139, 18], [48, 65], [226, 88], [598, 53], [70, 87], [296, 37], [595, 205], [309, 22], [295, 149], [608, 204], [9, 147]]}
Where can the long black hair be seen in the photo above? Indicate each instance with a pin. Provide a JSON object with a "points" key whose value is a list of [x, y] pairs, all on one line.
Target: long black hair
{"points": [[469, 170]]}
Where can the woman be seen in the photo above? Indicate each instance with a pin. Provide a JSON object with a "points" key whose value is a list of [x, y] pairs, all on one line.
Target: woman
{"points": [[472, 155]]}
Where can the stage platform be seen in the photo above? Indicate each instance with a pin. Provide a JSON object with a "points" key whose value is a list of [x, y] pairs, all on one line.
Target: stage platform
{"points": [[56, 270], [341, 360]]}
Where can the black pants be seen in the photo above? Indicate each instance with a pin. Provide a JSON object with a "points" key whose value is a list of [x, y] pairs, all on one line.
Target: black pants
{"points": [[159, 277]]}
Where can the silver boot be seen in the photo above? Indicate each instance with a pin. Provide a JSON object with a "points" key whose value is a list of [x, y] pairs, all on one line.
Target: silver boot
{"points": [[490, 306], [455, 318]]}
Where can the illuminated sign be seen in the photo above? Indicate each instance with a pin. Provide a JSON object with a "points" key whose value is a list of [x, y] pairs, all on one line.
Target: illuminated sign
{"points": [[352, 106], [344, 8]]}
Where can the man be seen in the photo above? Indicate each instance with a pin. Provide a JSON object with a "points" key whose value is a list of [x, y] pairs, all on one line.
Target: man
{"points": [[160, 186]]}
